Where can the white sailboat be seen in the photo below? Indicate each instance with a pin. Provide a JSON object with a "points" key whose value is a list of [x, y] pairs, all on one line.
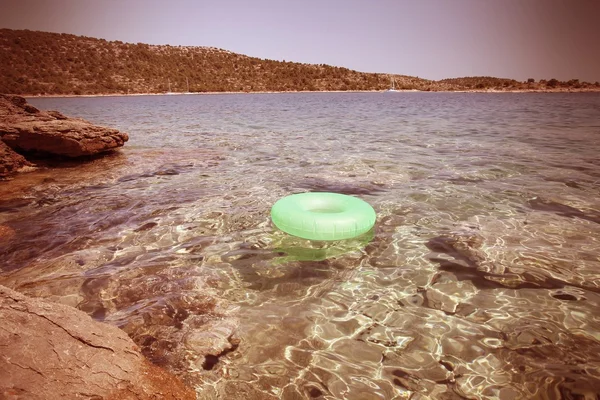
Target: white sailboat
{"points": [[393, 88]]}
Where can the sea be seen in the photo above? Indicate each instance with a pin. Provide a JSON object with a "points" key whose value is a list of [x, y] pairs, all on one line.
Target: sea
{"points": [[479, 280]]}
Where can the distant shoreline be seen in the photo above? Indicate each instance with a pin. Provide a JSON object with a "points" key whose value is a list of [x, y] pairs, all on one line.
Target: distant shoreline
{"points": [[28, 96], [77, 66]]}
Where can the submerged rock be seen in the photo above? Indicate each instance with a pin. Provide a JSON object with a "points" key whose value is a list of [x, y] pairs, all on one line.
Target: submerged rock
{"points": [[25, 129], [53, 351]]}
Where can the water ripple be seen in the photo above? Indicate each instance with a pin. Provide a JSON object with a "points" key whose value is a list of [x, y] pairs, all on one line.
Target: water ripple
{"points": [[480, 279]]}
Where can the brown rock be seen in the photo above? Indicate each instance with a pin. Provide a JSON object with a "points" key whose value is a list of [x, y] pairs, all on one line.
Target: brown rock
{"points": [[25, 128], [10, 161], [52, 351], [6, 232]]}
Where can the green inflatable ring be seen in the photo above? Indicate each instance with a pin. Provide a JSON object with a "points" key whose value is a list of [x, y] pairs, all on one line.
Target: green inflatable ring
{"points": [[323, 216]]}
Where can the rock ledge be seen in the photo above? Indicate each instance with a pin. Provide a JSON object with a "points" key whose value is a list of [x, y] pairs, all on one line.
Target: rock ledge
{"points": [[24, 129]]}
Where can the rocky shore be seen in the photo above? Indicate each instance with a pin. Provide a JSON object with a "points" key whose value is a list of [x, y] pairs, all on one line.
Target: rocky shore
{"points": [[27, 132], [52, 351]]}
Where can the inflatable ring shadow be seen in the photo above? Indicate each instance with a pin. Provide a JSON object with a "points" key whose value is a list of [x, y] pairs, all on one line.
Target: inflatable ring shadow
{"points": [[296, 249]]}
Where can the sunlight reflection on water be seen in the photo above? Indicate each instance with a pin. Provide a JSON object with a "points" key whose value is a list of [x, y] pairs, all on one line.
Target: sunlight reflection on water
{"points": [[481, 278]]}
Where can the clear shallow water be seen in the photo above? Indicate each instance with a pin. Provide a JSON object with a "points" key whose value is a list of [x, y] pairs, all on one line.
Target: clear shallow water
{"points": [[481, 279]]}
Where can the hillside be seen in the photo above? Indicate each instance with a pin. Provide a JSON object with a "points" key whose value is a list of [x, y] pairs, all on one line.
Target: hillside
{"points": [[50, 63], [42, 63]]}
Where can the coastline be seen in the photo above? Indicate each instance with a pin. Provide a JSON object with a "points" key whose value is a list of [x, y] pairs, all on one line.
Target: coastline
{"points": [[587, 90]]}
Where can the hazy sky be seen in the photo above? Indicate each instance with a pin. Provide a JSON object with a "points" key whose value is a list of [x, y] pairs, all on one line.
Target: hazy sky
{"points": [[432, 39]]}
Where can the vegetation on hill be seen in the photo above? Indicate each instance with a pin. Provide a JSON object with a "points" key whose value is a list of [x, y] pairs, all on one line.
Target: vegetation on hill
{"points": [[43, 63]]}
